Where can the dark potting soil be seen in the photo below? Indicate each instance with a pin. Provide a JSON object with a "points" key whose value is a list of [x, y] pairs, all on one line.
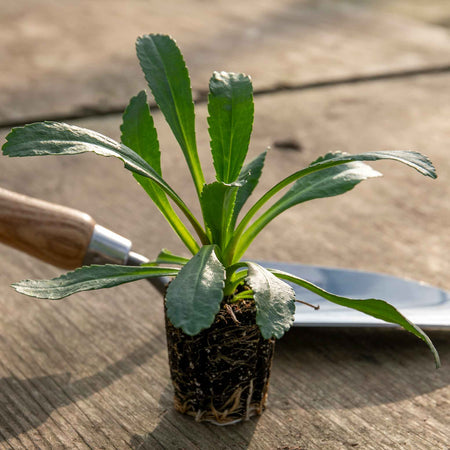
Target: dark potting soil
{"points": [[222, 373]]}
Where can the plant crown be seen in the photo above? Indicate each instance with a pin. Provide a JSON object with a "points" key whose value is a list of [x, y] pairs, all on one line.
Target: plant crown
{"points": [[216, 270]]}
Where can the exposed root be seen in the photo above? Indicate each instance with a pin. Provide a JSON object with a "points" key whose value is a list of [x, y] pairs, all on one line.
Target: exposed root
{"points": [[232, 414], [221, 375], [308, 304], [249, 399], [231, 313]]}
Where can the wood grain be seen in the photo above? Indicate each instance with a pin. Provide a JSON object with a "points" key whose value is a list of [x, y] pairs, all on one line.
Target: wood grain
{"points": [[55, 234], [92, 372], [277, 43]]}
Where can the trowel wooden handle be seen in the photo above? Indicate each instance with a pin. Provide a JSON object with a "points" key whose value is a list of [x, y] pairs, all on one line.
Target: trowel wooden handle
{"points": [[55, 234]]}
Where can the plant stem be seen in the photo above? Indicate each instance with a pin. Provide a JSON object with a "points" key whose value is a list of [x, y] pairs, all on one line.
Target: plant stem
{"points": [[231, 255]]}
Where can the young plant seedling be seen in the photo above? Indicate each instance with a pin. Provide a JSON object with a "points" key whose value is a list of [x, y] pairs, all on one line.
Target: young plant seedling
{"points": [[216, 272]]}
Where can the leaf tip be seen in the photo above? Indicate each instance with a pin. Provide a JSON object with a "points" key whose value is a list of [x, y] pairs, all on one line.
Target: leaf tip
{"points": [[22, 287], [438, 362], [9, 140], [154, 38], [421, 163], [16, 286]]}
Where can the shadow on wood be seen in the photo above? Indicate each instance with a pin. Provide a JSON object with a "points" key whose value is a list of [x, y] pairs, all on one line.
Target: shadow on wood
{"points": [[329, 368], [314, 369], [162, 436], [27, 403]]}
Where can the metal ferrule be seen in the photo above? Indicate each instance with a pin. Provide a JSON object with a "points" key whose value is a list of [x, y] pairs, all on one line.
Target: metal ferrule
{"points": [[107, 247]]}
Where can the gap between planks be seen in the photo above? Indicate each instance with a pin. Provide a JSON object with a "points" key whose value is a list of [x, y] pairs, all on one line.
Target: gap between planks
{"points": [[201, 96]]}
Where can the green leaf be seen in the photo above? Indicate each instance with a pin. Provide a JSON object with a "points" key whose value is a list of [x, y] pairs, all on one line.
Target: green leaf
{"points": [[53, 138], [326, 183], [88, 278], [168, 78], [194, 296], [230, 107], [217, 201], [373, 307], [248, 178], [413, 159], [274, 299], [139, 134], [167, 257]]}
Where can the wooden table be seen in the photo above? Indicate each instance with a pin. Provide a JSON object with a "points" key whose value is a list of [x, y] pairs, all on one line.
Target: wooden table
{"points": [[91, 371]]}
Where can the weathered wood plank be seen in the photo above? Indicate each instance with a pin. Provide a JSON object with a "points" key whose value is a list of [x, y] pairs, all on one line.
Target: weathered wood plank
{"points": [[55, 66], [92, 372], [436, 12]]}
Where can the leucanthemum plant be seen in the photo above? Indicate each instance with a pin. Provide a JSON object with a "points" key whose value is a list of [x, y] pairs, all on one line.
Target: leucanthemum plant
{"points": [[216, 275]]}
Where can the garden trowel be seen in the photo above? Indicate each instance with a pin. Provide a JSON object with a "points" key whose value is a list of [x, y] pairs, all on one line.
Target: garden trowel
{"points": [[68, 238]]}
